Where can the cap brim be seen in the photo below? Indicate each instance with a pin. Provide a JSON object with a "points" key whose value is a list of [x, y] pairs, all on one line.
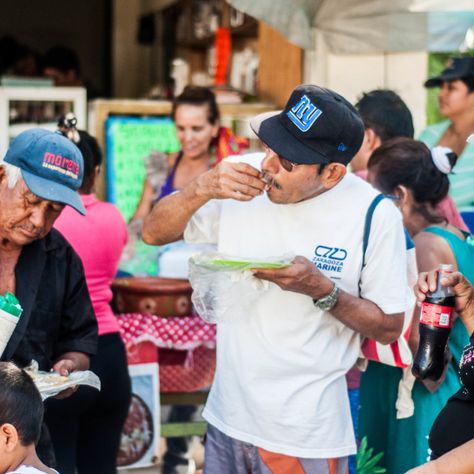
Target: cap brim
{"points": [[46, 189], [438, 80], [270, 129]]}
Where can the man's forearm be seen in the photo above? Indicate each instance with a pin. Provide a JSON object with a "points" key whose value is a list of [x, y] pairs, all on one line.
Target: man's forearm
{"points": [[366, 318], [227, 180], [361, 315], [169, 217]]}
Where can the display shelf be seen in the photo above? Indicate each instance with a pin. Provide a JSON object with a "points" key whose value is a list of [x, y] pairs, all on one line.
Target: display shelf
{"points": [[249, 29], [27, 107]]}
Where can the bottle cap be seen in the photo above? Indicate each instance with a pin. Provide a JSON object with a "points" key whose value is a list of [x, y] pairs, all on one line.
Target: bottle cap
{"points": [[10, 304], [445, 268]]}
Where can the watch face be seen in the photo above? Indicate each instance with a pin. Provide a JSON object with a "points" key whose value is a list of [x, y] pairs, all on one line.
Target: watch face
{"points": [[327, 305], [329, 301]]}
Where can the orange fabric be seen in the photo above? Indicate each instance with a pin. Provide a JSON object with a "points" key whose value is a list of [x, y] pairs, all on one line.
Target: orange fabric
{"points": [[333, 465], [280, 463], [227, 144]]}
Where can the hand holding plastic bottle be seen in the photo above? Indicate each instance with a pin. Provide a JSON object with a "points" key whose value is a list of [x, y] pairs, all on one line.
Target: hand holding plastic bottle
{"points": [[436, 320], [462, 289]]}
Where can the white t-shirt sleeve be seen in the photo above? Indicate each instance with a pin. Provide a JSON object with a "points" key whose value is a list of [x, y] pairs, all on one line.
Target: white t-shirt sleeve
{"points": [[384, 278], [203, 228]]}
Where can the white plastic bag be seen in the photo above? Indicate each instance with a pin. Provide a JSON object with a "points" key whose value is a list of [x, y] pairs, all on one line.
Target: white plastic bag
{"points": [[50, 384], [224, 287]]}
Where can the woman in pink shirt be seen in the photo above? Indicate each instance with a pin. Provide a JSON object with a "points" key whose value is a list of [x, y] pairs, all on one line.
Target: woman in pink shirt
{"points": [[86, 427]]}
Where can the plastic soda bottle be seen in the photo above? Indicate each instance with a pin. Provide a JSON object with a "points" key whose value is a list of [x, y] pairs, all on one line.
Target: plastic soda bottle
{"points": [[436, 321]]}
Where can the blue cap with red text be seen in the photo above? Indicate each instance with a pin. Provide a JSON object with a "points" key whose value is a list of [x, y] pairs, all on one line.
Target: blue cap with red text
{"points": [[51, 166]]}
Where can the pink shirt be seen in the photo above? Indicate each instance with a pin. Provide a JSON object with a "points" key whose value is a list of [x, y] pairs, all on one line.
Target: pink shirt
{"points": [[98, 238]]}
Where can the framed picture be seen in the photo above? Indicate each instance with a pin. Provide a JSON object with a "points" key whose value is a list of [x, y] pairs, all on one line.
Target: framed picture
{"points": [[141, 433]]}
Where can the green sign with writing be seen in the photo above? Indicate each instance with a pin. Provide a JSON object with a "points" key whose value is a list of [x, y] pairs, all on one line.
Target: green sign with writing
{"points": [[128, 141]]}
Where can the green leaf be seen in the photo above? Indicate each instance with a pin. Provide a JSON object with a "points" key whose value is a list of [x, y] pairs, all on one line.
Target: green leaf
{"points": [[362, 460], [373, 462], [366, 462], [361, 452], [237, 264]]}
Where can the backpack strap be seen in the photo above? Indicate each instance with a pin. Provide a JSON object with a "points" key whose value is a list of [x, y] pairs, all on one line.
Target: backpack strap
{"points": [[368, 225]]}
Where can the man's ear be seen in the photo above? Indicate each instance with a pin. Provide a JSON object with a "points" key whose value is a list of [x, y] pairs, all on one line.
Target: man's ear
{"points": [[373, 140], [332, 174], [8, 438]]}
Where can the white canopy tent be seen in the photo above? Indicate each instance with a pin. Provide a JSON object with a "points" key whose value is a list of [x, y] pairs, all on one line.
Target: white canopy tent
{"points": [[368, 26], [354, 46]]}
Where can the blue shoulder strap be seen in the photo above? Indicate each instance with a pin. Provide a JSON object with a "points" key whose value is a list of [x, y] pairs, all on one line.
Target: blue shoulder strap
{"points": [[368, 225]]}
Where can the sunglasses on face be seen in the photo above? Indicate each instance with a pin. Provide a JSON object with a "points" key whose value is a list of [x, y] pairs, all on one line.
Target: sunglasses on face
{"points": [[287, 165]]}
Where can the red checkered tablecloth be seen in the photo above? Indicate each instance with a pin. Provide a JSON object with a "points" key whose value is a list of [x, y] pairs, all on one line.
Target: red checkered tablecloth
{"points": [[186, 348], [182, 333]]}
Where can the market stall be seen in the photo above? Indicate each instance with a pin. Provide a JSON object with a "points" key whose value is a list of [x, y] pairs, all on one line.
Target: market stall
{"points": [[174, 348]]}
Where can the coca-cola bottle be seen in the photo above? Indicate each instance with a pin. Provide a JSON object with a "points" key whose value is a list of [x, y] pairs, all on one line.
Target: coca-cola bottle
{"points": [[436, 320]]}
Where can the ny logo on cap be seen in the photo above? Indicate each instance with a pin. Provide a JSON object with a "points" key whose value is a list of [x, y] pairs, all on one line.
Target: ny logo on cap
{"points": [[304, 114]]}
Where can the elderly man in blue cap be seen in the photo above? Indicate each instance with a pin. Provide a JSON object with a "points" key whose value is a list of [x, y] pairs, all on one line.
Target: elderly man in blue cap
{"points": [[40, 174]]}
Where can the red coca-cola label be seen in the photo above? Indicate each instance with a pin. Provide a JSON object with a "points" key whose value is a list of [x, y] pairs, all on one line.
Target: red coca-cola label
{"points": [[436, 315]]}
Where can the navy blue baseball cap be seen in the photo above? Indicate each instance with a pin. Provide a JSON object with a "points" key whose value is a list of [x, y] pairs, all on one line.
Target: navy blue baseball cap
{"points": [[51, 165], [456, 68], [317, 126]]}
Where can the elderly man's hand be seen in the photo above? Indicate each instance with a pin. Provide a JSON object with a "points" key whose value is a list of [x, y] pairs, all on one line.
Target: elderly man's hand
{"points": [[238, 181], [301, 276], [67, 363]]}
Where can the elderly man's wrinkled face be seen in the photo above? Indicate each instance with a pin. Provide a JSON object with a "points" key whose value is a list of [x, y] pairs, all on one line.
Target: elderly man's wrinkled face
{"points": [[24, 217]]}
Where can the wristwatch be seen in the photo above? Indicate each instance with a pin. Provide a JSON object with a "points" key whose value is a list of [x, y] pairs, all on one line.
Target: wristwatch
{"points": [[328, 302]]}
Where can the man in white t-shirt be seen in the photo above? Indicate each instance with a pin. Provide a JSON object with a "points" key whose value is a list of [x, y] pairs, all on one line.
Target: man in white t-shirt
{"points": [[279, 402]]}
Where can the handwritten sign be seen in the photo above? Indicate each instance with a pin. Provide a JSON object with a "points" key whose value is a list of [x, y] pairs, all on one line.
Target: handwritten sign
{"points": [[128, 141]]}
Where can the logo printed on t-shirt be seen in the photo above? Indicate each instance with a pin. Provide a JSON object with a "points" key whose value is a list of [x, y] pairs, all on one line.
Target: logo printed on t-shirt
{"points": [[329, 259]]}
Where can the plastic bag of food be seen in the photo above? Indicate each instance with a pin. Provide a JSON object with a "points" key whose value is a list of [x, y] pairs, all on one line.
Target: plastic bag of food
{"points": [[50, 384], [224, 287]]}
